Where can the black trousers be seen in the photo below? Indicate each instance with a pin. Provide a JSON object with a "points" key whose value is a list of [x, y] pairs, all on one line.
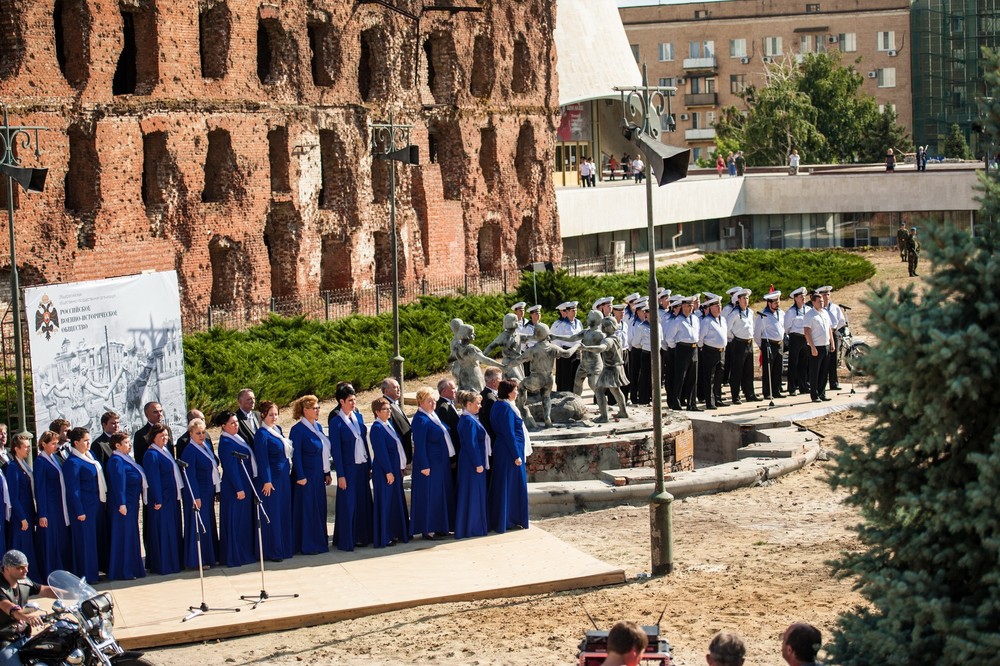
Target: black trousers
{"points": [[818, 372], [634, 362], [834, 382], [771, 379], [798, 363], [669, 362], [566, 372], [645, 390], [685, 372], [741, 370], [710, 375]]}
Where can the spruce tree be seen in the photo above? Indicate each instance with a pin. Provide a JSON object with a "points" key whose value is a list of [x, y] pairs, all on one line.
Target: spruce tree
{"points": [[927, 480], [956, 145]]}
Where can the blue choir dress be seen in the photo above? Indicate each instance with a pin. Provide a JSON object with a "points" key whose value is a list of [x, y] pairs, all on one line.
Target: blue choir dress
{"points": [[203, 473], [507, 500], [349, 445], [309, 531], [273, 468], [164, 549], [236, 535], [83, 497], [470, 502], [125, 485], [391, 522], [52, 542], [21, 536], [432, 497]]}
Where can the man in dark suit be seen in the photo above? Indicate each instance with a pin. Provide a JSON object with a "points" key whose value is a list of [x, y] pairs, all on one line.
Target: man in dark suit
{"points": [[101, 446], [449, 416], [140, 441], [392, 393], [249, 419], [492, 380], [185, 439]]}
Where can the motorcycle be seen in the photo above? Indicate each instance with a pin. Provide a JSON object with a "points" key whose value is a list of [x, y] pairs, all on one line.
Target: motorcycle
{"points": [[851, 351], [78, 631]]}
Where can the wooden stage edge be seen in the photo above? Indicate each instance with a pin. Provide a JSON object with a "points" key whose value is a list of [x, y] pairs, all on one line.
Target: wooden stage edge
{"points": [[341, 586]]}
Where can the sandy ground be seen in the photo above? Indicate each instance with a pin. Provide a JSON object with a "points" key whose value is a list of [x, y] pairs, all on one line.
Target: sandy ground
{"points": [[752, 561]]}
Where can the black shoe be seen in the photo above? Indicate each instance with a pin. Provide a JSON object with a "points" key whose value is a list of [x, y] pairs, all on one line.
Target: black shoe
{"points": [[816, 400], [753, 398], [825, 399], [737, 401], [695, 409], [276, 559], [721, 403], [792, 392], [779, 396], [711, 407]]}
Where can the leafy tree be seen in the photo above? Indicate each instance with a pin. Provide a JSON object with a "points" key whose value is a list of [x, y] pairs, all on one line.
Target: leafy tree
{"points": [[841, 109], [956, 145], [926, 480], [882, 134]]}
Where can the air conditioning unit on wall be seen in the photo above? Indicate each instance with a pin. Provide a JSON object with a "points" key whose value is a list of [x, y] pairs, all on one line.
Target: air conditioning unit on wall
{"points": [[745, 61], [893, 53], [872, 75], [685, 116], [768, 60], [833, 39]]}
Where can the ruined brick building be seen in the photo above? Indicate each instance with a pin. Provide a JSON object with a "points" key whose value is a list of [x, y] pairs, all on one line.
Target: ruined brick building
{"points": [[229, 139]]}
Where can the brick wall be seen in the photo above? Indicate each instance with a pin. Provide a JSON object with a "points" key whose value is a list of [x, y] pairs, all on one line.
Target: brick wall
{"points": [[230, 141]]}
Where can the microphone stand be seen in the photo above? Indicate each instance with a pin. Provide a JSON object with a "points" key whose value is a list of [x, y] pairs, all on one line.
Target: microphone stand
{"points": [[259, 505], [770, 370], [199, 529]]}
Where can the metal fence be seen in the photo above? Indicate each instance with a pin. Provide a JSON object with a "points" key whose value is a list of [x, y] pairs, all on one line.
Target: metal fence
{"points": [[335, 304]]}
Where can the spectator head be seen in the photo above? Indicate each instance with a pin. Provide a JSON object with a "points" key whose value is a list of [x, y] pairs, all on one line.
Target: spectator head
{"points": [[195, 414], [110, 422], [77, 435], [390, 388], [381, 408], [465, 397], [153, 412], [492, 377], [246, 400], [507, 388], [629, 640], [304, 407], [120, 442], [60, 427], [800, 644], [446, 389], [726, 649], [344, 391]]}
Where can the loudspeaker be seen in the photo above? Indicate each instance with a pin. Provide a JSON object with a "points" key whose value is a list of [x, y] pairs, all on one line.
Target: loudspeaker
{"points": [[405, 155], [32, 180], [669, 164]]}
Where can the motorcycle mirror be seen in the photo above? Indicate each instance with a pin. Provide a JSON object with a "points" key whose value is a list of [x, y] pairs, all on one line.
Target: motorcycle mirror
{"points": [[58, 606]]}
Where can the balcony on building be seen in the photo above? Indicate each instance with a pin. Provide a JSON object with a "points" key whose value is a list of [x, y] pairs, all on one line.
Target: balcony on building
{"points": [[701, 99], [700, 63], [701, 134]]}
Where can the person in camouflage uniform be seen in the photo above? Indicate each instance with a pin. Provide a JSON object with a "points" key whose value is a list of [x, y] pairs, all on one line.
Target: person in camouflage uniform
{"points": [[912, 251], [902, 240]]}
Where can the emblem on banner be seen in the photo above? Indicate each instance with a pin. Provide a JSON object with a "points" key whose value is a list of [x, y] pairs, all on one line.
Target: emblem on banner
{"points": [[47, 318]]}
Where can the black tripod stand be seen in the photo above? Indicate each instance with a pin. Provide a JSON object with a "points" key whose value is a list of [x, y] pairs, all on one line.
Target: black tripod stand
{"points": [[199, 529], [768, 376], [261, 516]]}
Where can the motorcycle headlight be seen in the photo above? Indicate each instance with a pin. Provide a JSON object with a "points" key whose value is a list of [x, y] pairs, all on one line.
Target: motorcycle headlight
{"points": [[75, 657], [96, 606]]}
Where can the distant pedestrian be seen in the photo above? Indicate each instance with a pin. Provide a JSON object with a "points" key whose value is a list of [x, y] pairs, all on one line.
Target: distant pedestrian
{"points": [[912, 252], [793, 163], [626, 167], [720, 164], [731, 164], [890, 161], [726, 649], [741, 163], [593, 172], [584, 173], [612, 165], [902, 240], [800, 644], [639, 169]]}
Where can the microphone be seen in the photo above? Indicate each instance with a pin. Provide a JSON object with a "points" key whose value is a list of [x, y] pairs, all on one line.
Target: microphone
{"points": [[181, 464], [241, 456]]}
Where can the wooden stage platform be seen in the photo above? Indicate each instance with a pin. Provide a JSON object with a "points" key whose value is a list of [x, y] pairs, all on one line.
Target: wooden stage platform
{"points": [[336, 586]]}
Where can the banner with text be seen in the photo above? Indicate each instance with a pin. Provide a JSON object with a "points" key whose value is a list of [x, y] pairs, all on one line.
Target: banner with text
{"points": [[107, 345]]}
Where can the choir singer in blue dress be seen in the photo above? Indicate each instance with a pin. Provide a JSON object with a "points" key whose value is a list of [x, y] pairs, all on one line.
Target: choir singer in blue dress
{"points": [[391, 522], [432, 497], [86, 494], [20, 484], [470, 501], [236, 537], [274, 454], [311, 473], [206, 483], [53, 515], [165, 484], [127, 487], [352, 461], [508, 494]]}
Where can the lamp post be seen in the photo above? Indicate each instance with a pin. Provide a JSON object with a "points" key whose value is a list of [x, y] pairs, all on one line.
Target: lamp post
{"points": [[31, 180], [640, 105], [391, 142]]}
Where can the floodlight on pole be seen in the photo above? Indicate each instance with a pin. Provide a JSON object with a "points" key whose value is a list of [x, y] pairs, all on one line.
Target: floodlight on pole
{"points": [[391, 142], [640, 105]]}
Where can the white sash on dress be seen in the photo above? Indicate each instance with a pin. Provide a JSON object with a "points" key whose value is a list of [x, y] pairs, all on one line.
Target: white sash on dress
{"points": [[6, 494], [360, 450], [29, 473], [447, 435], [243, 445], [318, 429], [129, 460], [62, 483], [399, 444], [524, 429], [177, 470], [216, 477], [102, 484], [489, 442], [276, 431]]}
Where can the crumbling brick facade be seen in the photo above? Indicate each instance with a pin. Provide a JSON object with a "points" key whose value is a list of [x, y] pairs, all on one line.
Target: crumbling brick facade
{"points": [[230, 140]]}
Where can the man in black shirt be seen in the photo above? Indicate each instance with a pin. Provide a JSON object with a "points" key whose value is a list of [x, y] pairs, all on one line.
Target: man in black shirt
{"points": [[15, 590]]}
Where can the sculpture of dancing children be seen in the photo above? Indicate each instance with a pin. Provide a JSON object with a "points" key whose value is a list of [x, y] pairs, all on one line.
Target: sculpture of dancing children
{"points": [[612, 375], [468, 374], [509, 342], [542, 358]]}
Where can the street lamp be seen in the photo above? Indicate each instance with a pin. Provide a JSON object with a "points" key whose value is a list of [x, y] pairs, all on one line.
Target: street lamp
{"points": [[391, 142], [31, 180], [641, 104]]}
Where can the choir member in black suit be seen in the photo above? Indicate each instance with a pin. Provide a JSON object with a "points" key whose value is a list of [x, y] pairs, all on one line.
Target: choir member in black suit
{"points": [[141, 439], [392, 393], [101, 447], [249, 420]]}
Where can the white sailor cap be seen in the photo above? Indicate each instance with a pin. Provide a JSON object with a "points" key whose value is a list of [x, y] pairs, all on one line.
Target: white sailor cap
{"points": [[696, 297], [676, 299], [568, 305], [535, 308], [732, 290], [663, 291], [772, 296], [607, 300], [641, 304], [711, 299], [634, 296], [689, 299], [518, 306], [801, 291], [826, 289], [618, 306], [743, 292]]}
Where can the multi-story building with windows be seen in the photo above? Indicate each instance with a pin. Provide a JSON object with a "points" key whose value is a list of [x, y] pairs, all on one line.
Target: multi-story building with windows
{"points": [[712, 50]]}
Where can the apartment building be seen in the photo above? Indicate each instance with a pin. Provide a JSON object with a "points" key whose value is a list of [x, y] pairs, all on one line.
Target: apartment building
{"points": [[711, 51]]}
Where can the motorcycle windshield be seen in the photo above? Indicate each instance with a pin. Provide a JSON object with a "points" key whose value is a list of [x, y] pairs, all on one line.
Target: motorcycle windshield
{"points": [[70, 589]]}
